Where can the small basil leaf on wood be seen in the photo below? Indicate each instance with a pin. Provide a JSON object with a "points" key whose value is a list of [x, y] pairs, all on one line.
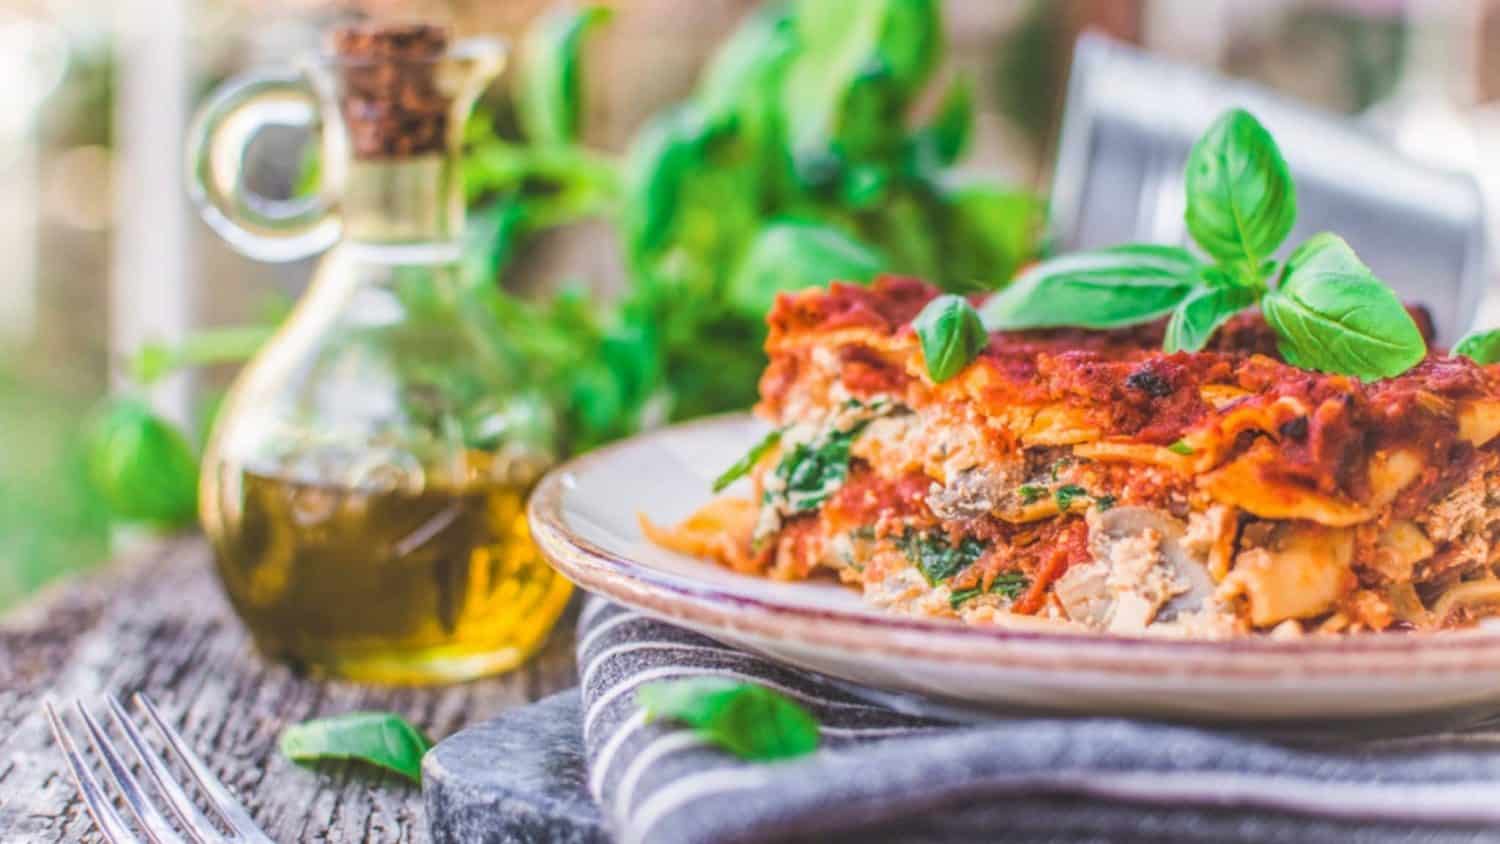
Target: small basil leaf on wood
{"points": [[1195, 320], [791, 255], [1331, 314], [378, 738], [1108, 288], [750, 721], [743, 466], [951, 334], [1241, 202], [550, 76], [1480, 346]]}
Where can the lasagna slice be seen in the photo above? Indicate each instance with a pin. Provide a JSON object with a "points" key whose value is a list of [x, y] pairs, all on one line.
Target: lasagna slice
{"points": [[1091, 480]]}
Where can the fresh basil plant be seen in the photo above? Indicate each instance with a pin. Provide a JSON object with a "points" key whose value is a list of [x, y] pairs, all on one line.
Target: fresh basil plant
{"points": [[1329, 312]]}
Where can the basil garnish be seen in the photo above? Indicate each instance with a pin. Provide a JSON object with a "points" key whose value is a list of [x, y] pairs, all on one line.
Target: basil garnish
{"points": [[1241, 202], [1194, 321], [1122, 285], [377, 738], [951, 335], [1482, 347], [1331, 314], [743, 466], [748, 720], [1329, 311]]}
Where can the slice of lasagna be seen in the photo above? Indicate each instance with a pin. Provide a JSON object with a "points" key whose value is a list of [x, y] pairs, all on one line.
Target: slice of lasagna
{"points": [[1088, 478]]}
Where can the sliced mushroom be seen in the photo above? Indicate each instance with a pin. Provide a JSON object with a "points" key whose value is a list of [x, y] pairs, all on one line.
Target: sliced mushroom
{"points": [[1188, 571]]}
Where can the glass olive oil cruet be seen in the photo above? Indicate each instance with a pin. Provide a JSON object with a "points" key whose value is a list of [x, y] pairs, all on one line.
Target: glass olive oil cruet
{"points": [[364, 484]]}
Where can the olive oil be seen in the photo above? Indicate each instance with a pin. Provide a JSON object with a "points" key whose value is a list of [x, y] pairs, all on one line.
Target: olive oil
{"points": [[388, 585]]}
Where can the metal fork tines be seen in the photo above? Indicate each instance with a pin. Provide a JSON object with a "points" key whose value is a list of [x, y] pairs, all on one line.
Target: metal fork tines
{"points": [[235, 826]]}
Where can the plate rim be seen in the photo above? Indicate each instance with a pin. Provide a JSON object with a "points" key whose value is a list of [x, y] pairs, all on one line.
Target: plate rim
{"points": [[615, 575]]}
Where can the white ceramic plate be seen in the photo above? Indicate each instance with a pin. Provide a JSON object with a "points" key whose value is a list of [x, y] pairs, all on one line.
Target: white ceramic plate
{"points": [[583, 516]]}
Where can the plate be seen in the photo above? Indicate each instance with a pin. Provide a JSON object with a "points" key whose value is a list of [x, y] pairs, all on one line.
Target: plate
{"points": [[584, 518]]}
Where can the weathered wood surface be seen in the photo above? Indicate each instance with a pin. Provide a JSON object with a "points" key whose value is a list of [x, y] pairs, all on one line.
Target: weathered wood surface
{"points": [[157, 623]]}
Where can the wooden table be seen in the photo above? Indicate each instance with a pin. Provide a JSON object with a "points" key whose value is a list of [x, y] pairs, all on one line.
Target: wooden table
{"points": [[157, 623]]}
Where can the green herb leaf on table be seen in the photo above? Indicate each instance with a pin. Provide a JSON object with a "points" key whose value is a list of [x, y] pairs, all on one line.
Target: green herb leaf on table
{"points": [[1241, 202], [790, 255], [1109, 288], [378, 738], [1331, 314], [1180, 447], [1196, 318], [951, 334], [743, 466], [1482, 347], [550, 96], [749, 720]]}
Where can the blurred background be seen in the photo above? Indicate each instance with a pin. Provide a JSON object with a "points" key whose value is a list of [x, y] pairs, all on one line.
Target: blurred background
{"points": [[100, 251]]}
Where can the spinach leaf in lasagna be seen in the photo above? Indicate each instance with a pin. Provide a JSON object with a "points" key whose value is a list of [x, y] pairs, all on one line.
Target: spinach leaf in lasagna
{"points": [[1011, 584], [811, 471], [743, 466], [935, 558]]}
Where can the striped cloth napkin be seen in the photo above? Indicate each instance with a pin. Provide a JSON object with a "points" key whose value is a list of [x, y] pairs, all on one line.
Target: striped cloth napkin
{"points": [[881, 774]]}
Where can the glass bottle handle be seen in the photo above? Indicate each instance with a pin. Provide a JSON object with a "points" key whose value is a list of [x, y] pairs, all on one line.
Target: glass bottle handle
{"points": [[219, 140]]}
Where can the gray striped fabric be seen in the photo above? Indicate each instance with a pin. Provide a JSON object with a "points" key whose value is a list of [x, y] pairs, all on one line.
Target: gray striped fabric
{"points": [[884, 775]]}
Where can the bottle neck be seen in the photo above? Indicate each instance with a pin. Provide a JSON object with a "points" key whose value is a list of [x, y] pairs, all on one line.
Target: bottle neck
{"points": [[404, 201]]}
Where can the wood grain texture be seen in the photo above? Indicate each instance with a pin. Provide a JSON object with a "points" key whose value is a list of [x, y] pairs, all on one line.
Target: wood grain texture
{"points": [[157, 623]]}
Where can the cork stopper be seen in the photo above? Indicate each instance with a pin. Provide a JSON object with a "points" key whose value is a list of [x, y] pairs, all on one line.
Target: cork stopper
{"points": [[390, 99]]}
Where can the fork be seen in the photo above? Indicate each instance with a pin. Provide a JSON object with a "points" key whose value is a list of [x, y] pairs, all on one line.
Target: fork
{"points": [[236, 825]]}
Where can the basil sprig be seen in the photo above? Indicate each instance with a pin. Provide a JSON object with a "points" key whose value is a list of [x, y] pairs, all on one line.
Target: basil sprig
{"points": [[1482, 347], [1329, 311], [951, 335]]}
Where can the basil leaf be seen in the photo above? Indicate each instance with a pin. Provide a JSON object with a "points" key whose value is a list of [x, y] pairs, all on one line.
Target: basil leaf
{"points": [[750, 721], [1109, 288], [1195, 320], [1241, 202], [743, 466], [1482, 347], [141, 465], [1331, 314], [948, 134], [951, 334], [750, 63], [378, 738], [550, 97], [793, 255], [841, 40]]}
